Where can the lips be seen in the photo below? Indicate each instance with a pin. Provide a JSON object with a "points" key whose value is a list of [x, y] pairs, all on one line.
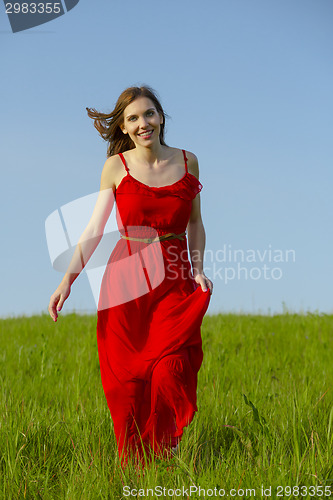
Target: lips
{"points": [[148, 133]]}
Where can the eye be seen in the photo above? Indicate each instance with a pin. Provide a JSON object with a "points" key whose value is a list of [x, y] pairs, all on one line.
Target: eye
{"points": [[150, 113], [132, 118]]}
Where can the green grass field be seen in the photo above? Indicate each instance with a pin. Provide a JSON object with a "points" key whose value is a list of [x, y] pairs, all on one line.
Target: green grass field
{"points": [[265, 414]]}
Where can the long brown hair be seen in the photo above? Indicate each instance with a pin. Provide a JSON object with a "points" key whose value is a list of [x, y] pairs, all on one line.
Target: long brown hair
{"points": [[108, 124]]}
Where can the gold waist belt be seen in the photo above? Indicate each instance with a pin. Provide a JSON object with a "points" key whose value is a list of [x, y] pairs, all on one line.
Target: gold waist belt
{"points": [[168, 236]]}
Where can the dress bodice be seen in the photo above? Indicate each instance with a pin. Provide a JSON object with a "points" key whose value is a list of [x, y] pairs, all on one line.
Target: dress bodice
{"points": [[165, 208]]}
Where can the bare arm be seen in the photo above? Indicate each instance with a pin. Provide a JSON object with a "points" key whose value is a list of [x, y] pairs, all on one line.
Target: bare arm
{"points": [[196, 234], [90, 237]]}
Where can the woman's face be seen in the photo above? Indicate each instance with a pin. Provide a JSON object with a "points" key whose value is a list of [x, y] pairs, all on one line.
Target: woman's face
{"points": [[142, 122]]}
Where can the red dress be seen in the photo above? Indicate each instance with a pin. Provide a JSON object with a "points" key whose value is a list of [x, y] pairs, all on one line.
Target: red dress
{"points": [[149, 317]]}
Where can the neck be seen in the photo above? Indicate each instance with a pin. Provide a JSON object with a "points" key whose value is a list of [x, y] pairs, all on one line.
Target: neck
{"points": [[151, 154]]}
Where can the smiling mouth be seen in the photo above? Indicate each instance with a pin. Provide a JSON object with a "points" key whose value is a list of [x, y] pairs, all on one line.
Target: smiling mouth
{"points": [[146, 134]]}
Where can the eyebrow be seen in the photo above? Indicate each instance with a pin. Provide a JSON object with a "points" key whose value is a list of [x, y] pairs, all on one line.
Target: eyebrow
{"points": [[149, 109]]}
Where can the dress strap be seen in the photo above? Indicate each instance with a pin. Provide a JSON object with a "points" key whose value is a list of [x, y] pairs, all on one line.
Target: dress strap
{"points": [[124, 162], [185, 159]]}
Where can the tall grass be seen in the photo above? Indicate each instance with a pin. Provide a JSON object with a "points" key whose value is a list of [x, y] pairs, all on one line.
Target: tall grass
{"points": [[265, 411]]}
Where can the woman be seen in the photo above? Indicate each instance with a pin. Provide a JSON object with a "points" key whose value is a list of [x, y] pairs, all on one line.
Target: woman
{"points": [[151, 302]]}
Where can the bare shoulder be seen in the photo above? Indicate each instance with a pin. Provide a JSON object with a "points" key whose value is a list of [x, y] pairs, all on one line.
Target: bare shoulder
{"points": [[192, 164], [113, 172], [113, 163]]}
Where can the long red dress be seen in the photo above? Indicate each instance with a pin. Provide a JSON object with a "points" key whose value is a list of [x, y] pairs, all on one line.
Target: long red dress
{"points": [[149, 317]]}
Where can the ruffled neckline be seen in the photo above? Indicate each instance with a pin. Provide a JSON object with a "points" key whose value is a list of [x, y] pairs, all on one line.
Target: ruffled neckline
{"points": [[186, 187]]}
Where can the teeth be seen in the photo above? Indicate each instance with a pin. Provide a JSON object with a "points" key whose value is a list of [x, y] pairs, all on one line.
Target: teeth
{"points": [[146, 133]]}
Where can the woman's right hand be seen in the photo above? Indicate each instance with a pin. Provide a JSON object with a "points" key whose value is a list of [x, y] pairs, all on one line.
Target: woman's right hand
{"points": [[57, 300]]}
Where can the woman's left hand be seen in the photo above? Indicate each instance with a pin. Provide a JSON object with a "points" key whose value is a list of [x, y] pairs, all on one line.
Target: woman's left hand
{"points": [[204, 282]]}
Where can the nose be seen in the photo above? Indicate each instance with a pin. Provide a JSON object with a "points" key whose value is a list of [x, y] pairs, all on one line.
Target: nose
{"points": [[143, 122]]}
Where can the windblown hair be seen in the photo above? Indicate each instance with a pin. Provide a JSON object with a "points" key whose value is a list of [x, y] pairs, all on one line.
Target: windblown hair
{"points": [[108, 124]]}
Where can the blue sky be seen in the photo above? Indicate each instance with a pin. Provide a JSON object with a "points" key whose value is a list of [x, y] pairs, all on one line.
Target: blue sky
{"points": [[248, 85]]}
